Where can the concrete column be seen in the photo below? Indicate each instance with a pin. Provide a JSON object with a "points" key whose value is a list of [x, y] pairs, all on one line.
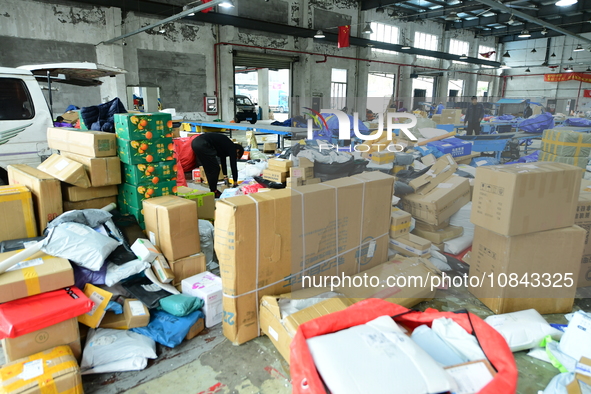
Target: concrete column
{"points": [[472, 80], [405, 87], [150, 99], [226, 74], [263, 75], [112, 55]]}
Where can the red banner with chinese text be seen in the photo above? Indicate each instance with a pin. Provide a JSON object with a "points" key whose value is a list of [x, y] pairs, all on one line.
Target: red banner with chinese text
{"points": [[562, 77]]}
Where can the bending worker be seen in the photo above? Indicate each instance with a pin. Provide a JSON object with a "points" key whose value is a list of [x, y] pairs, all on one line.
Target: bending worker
{"points": [[208, 148], [474, 115]]}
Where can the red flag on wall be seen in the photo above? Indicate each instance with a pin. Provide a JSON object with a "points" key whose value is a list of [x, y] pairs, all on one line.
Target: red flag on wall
{"points": [[587, 93], [207, 9], [344, 32]]}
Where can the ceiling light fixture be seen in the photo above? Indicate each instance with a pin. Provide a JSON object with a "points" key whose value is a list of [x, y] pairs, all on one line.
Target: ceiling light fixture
{"points": [[524, 34], [452, 16], [227, 4], [533, 50], [367, 29], [565, 3], [527, 70], [161, 30], [463, 56], [380, 10], [553, 54], [511, 20], [506, 54], [570, 70], [570, 59], [588, 69], [405, 46], [504, 66], [544, 32], [579, 48], [319, 34]]}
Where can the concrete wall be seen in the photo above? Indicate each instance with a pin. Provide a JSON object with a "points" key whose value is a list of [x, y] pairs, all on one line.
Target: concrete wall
{"points": [[180, 61], [531, 85]]}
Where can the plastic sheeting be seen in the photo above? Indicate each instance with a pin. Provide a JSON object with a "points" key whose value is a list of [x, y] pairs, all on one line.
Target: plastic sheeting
{"points": [[537, 123], [168, 330], [577, 122], [117, 273], [462, 219], [82, 276], [181, 305], [458, 339], [206, 232]]}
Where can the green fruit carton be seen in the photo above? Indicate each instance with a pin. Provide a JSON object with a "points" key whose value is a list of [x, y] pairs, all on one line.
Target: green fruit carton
{"points": [[145, 151], [132, 196], [144, 126], [150, 173]]}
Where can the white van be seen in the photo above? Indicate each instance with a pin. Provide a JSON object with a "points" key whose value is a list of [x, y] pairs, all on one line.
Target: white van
{"points": [[24, 113]]}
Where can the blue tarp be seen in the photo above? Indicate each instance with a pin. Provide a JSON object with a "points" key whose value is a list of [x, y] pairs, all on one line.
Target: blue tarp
{"points": [[531, 158], [538, 123], [505, 118], [578, 122], [515, 101]]}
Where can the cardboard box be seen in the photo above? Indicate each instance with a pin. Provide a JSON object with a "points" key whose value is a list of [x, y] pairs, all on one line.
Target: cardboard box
{"points": [[144, 126], [431, 227], [583, 220], [384, 157], [294, 181], [269, 147], [150, 174], [523, 198], [453, 146], [399, 222], [64, 333], [100, 298], [441, 203], [442, 170], [188, 266], [16, 208], [45, 189], [65, 170], [274, 175], [301, 172], [95, 203], [281, 331], [579, 161], [582, 377], [196, 329], [440, 236], [162, 269], [75, 193], [554, 254], [88, 143], [31, 375], [204, 176], [135, 314], [312, 181], [451, 116], [429, 160], [38, 274], [208, 287], [407, 296], [172, 225], [283, 216], [205, 201], [145, 250], [102, 171], [145, 151], [134, 195], [436, 118], [282, 165], [410, 245]]}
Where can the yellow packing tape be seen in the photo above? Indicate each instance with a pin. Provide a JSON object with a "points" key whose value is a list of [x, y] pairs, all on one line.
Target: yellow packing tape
{"points": [[27, 203], [552, 139], [400, 226], [31, 280]]}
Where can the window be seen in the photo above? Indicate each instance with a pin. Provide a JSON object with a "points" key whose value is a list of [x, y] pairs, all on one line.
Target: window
{"points": [[482, 88], [15, 100], [426, 41], [383, 33], [457, 47], [338, 89], [484, 49]]}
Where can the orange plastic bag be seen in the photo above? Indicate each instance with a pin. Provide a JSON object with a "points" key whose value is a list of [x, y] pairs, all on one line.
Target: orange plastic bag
{"points": [[305, 378]]}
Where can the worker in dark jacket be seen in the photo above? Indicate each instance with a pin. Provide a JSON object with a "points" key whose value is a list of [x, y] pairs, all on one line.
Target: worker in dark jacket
{"points": [[208, 148], [527, 112], [474, 115]]}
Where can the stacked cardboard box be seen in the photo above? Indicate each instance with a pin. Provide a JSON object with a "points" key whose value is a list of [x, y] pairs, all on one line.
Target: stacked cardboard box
{"points": [[450, 116], [566, 146], [401, 241], [205, 201], [524, 216], [583, 220], [16, 209], [172, 225], [278, 170], [145, 147], [301, 175], [88, 161]]}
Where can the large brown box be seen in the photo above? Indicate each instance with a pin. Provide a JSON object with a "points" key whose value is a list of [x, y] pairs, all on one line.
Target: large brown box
{"points": [[16, 208], [538, 261], [188, 266], [102, 171], [95, 203], [173, 226], [524, 198], [88, 143], [583, 220], [75, 193], [65, 170], [264, 237], [47, 195], [64, 333]]}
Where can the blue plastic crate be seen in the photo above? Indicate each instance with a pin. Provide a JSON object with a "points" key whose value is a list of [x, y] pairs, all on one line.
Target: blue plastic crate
{"points": [[489, 145], [453, 146]]}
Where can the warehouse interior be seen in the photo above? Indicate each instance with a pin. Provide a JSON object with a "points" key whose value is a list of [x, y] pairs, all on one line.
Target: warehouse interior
{"points": [[295, 196]]}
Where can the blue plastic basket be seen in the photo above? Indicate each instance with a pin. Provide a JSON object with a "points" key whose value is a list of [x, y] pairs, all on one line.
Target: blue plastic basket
{"points": [[489, 145]]}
